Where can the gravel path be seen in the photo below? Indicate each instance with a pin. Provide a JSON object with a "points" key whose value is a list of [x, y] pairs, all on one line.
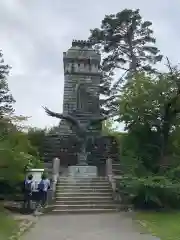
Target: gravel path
{"points": [[115, 226]]}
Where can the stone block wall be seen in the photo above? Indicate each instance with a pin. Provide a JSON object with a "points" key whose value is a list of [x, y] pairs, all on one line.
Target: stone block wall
{"points": [[66, 148]]}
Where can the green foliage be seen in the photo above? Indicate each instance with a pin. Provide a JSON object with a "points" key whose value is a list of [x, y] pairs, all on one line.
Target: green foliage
{"points": [[6, 99], [163, 225], [143, 99], [151, 191], [127, 45], [149, 107], [8, 226], [150, 118], [32, 161], [17, 149], [14, 157], [174, 173], [36, 137], [123, 33], [108, 127]]}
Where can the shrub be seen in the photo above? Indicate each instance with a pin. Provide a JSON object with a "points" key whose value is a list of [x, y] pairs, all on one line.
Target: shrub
{"points": [[12, 171], [174, 174], [151, 191]]}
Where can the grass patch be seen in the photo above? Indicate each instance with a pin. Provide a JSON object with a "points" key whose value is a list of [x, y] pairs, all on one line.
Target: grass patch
{"points": [[164, 225], [8, 226]]}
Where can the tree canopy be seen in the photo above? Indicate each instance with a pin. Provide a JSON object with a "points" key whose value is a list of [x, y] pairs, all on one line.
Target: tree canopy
{"points": [[6, 98], [147, 100], [127, 43], [16, 150]]}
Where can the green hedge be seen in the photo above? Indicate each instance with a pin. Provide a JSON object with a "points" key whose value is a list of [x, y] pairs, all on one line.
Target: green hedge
{"points": [[150, 191]]}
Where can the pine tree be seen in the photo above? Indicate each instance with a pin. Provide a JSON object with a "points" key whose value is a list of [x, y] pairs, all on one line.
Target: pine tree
{"points": [[6, 98], [127, 44]]}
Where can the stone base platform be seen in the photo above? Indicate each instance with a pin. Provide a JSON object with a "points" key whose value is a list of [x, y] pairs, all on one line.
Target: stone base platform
{"points": [[82, 171]]}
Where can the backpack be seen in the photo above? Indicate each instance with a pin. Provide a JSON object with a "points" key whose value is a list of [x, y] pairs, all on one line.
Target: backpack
{"points": [[41, 185], [28, 186]]}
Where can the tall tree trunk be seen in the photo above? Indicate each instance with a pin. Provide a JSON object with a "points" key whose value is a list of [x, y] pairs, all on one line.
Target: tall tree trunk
{"points": [[133, 63]]}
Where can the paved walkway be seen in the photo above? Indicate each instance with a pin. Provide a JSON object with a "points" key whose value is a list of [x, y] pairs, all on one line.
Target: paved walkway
{"points": [[117, 226]]}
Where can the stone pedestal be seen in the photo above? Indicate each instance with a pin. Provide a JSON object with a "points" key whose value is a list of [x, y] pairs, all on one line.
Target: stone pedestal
{"points": [[55, 169], [82, 158], [82, 171]]}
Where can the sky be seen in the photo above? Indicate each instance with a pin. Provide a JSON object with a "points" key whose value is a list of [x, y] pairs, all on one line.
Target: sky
{"points": [[35, 33]]}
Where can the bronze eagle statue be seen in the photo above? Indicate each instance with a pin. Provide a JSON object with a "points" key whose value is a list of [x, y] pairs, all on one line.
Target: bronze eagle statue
{"points": [[80, 129]]}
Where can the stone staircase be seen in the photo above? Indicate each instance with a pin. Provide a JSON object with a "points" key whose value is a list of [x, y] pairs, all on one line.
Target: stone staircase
{"points": [[83, 195]]}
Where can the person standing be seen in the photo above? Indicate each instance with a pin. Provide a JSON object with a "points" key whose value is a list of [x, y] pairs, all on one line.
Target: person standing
{"points": [[29, 187], [43, 187]]}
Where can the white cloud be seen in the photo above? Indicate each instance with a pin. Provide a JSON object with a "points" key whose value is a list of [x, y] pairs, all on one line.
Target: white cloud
{"points": [[34, 35]]}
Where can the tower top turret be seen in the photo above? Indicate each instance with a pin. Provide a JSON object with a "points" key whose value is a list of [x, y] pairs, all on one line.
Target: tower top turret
{"points": [[81, 50], [82, 43]]}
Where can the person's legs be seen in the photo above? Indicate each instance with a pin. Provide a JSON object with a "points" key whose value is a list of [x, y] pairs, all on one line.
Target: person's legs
{"points": [[38, 202], [43, 198], [24, 204], [29, 202], [25, 201], [40, 198]]}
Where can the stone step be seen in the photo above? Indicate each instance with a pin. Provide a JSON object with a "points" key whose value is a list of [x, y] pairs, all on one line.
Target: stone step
{"points": [[84, 206], [84, 179], [83, 189], [83, 198], [83, 185], [84, 201], [86, 191], [81, 181], [82, 194], [81, 211], [117, 170]]}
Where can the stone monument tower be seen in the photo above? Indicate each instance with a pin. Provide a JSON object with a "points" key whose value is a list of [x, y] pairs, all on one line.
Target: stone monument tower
{"points": [[81, 101], [81, 83]]}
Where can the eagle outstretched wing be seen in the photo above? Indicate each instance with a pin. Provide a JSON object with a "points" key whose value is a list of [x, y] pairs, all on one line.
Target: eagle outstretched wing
{"points": [[70, 119]]}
